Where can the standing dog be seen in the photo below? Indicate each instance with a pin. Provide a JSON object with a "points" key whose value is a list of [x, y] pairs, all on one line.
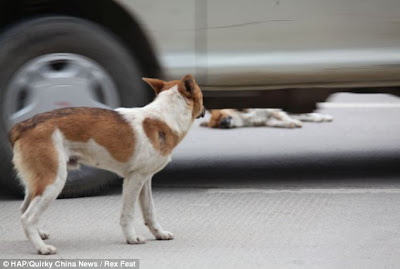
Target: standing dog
{"points": [[135, 143], [232, 118]]}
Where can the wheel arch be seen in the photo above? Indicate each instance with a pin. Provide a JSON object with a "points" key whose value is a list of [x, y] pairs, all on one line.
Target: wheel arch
{"points": [[111, 16]]}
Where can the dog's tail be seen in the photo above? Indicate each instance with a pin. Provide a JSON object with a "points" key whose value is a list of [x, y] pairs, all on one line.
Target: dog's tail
{"points": [[15, 134], [18, 130]]}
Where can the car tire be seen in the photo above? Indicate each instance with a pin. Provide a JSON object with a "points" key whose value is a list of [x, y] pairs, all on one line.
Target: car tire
{"points": [[60, 34]]}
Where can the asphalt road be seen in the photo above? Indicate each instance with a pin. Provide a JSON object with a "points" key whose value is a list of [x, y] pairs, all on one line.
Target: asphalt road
{"points": [[362, 141], [324, 196]]}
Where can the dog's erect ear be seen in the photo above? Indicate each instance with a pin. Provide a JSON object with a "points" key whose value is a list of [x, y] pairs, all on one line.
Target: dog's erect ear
{"points": [[188, 83], [156, 84]]}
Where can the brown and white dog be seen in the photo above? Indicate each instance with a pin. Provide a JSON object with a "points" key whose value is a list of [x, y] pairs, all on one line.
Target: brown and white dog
{"points": [[135, 143], [232, 118]]}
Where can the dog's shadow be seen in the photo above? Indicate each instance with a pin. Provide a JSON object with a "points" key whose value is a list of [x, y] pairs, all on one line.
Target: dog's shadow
{"points": [[75, 246]]}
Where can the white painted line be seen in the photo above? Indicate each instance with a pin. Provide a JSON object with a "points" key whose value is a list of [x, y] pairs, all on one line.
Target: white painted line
{"points": [[302, 191], [359, 105]]}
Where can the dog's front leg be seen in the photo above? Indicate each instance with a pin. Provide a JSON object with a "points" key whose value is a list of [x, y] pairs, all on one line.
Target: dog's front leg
{"points": [[149, 214], [130, 193]]}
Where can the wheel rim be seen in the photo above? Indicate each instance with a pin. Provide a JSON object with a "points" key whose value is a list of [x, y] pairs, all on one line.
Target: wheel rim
{"points": [[54, 81]]}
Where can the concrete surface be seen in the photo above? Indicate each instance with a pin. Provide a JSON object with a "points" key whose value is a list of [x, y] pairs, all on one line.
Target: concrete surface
{"points": [[324, 196], [228, 228]]}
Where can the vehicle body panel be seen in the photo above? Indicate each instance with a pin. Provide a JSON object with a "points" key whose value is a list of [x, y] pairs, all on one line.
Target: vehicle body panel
{"points": [[170, 27], [270, 44]]}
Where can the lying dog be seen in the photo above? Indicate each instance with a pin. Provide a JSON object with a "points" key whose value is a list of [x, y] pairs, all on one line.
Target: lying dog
{"points": [[231, 118], [135, 143]]}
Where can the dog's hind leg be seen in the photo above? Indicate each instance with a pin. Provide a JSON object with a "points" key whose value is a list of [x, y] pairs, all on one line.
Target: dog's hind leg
{"points": [[313, 117], [27, 200], [43, 167], [38, 205], [149, 214]]}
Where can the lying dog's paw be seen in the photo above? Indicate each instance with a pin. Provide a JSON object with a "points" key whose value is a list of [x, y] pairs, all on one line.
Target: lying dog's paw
{"points": [[313, 117], [293, 123], [136, 240], [44, 235], [327, 118], [47, 250], [164, 235]]}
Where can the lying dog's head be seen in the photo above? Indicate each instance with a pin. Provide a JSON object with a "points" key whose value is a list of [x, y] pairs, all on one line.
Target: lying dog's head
{"points": [[188, 89], [225, 118], [221, 118]]}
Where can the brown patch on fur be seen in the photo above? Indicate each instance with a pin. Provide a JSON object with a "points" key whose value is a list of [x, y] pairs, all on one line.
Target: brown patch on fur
{"points": [[107, 127], [39, 160], [37, 156], [160, 135]]}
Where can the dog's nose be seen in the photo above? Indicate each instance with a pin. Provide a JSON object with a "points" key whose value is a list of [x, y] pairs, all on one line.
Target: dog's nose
{"points": [[226, 122], [203, 112]]}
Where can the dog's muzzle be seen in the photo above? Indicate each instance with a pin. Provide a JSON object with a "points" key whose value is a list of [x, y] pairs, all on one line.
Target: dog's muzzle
{"points": [[203, 112], [226, 123]]}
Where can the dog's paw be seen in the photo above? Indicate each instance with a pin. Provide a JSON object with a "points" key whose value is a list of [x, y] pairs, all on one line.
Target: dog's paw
{"points": [[327, 118], [136, 240], [293, 123], [316, 117], [164, 235], [44, 235], [297, 123], [47, 250]]}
